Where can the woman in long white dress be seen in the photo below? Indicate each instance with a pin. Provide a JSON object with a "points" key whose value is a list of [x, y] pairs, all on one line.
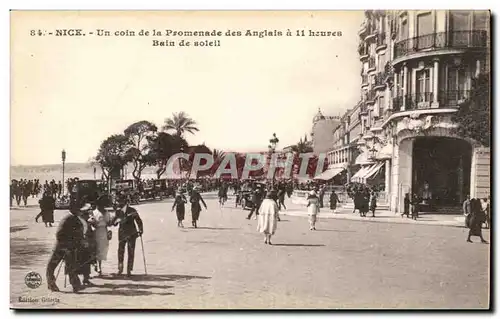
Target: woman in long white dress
{"points": [[312, 209], [268, 217], [101, 220]]}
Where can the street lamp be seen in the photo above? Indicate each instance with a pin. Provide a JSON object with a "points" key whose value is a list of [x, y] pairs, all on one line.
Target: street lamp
{"points": [[63, 157], [272, 148]]}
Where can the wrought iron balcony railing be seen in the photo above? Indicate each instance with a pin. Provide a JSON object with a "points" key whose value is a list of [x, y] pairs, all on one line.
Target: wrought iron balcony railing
{"points": [[388, 72], [452, 98], [441, 40], [424, 100]]}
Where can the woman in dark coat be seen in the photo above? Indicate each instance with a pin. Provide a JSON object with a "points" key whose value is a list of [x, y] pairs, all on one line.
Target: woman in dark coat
{"points": [[334, 199], [180, 208], [475, 220], [47, 206], [195, 200]]}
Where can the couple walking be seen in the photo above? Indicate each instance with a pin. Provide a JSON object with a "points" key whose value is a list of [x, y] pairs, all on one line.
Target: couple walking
{"points": [[180, 206]]}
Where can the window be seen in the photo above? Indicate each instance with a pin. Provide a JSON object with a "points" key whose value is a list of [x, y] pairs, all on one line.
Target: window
{"points": [[460, 21], [381, 62], [401, 78], [381, 105], [457, 81], [480, 20], [425, 30], [404, 34], [423, 86]]}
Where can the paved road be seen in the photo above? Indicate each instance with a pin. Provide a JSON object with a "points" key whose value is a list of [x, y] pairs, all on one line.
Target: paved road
{"points": [[225, 264]]}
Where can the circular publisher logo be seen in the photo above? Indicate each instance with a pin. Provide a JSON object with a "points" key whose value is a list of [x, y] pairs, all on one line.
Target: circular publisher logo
{"points": [[33, 280]]}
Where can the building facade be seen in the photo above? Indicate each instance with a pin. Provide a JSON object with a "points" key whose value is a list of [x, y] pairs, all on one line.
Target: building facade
{"points": [[416, 70], [322, 137]]}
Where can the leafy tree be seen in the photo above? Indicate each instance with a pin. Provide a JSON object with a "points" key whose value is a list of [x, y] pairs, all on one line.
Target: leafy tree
{"points": [[162, 147], [473, 116], [113, 154], [192, 151], [141, 136], [180, 123]]}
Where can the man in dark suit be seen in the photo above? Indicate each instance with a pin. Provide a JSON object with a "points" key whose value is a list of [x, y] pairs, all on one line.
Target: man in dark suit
{"points": [[127, 217], [69, 241], [257, 198]]}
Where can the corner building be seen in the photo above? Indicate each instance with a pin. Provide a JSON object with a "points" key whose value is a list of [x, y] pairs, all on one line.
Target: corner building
{"points": [[417, 68]]}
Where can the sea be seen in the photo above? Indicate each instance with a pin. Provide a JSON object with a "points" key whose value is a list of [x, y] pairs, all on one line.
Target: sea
{"points": [[71, 170]]}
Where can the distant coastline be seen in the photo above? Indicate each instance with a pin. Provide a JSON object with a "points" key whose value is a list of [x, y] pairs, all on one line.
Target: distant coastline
{"points": [[54, 171]]}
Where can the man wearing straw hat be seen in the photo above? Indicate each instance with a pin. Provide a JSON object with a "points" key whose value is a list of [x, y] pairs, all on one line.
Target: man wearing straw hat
{"points": [[127, 217]]}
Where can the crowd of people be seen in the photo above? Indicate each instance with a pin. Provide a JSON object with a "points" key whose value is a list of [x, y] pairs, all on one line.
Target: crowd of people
{"points": [[21, 190], [84, 235]]}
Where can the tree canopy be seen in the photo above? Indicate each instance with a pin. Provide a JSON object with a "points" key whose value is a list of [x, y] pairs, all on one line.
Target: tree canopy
{"points": [[180, 123], [474, 115]]}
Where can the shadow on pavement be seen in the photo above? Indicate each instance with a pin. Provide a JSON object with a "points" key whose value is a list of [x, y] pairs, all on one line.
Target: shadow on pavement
{"points": [[14, 229], [337, 230], [216, 228], [154, 277], [300, 245], [24, 252], [132, 286], [116, 292]]}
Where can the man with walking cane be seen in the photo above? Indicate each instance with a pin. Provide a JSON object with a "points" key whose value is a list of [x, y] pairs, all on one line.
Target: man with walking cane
{"points": [[127, 217], [70, 241]]}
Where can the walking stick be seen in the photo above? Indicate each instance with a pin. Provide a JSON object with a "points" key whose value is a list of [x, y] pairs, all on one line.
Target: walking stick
{"points": [[143, 256]]}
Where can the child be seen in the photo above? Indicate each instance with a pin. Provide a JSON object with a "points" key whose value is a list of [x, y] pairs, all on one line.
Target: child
{"points": [[406, 206]]}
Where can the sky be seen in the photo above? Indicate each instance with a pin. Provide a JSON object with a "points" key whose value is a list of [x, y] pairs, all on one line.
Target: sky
{"points": [[73, 92]]}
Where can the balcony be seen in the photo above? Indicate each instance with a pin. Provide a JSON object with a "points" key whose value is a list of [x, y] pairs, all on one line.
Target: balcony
{"points": [[364, 80], [371, 32], [371, 64], [362, 30], [381, 44], [452, 98], [370, 97], [379, 83], [363, 52], [363, 109], [424, 100], [439, 41], [397, 103]]}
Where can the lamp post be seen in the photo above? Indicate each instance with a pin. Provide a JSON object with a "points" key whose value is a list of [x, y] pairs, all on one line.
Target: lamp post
{"points": [[63, 157], [272, 149]]}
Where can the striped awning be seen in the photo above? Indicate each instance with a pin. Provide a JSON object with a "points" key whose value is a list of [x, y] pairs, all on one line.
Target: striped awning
{"points": [[329, 174], [373, 170], [359, 174]]}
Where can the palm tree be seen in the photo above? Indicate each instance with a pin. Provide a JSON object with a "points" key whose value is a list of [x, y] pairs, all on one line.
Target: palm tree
{"points": [[218, 155], [180, 123]]}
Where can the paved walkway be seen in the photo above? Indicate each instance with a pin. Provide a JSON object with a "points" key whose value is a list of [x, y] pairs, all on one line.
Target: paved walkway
{"points": [[224, 264], [383, 216]]}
